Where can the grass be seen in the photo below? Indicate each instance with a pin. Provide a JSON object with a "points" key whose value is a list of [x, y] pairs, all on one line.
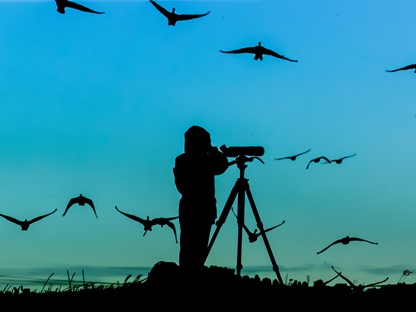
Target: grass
{"points": [[215, 288]]}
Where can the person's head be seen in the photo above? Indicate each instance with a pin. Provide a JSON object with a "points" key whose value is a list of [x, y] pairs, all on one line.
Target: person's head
{"points": [[197, 140]]}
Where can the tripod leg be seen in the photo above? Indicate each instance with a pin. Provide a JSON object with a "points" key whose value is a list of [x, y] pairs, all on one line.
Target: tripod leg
{"points": [[240, 218], [224, 214], [263, 234]]}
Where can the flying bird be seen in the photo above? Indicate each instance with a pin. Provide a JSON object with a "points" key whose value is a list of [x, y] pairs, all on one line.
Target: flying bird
{"points": [[317, 160], [26, 223], [357, 288], [339, 160], [252, 236], [345, 241], [258, 52], [149, 223], [173, 17], [293, 157], [80, 200], [411, 66], [62, 4]]}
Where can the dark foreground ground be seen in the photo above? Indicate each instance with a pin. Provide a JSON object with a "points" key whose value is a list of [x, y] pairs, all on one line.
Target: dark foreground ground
{"points": [[216, 289]]}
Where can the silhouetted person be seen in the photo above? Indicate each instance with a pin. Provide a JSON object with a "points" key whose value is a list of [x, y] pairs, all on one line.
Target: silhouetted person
{"points": [[149, 223], [80, 200], [411, 66], [258, 52], [62, 4], [317, 160], [194, 174], [173, 17], [345, 241], [26, 223], [339, 160], [293, 157]]}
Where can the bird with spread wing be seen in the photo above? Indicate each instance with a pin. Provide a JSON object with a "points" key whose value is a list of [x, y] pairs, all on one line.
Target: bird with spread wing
{"points": [[62, 4], [360, 287], [26, 223], [345, 241], [258, 52], [174, 17], [80, 200], [339, 160], [253, 236], [411, 66], [318, 159], [293, 157], [149, 223]]}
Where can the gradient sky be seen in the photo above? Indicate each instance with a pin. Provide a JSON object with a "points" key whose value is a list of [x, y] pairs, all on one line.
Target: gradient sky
{"points": [[98, 105]]}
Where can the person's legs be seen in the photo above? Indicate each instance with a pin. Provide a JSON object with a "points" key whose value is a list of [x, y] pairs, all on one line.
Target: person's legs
{"points": [[194, 239]]}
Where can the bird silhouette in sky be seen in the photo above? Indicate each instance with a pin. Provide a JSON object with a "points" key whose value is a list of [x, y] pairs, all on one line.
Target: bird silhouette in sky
{"points": [[411, 66], [62, 4], [149, 223], [258, 52], [253, 236], [173, 17], [293, 157], [339, 160], [345, 241], [26, 223], [80, 200], [360, 287], [317, 160]]}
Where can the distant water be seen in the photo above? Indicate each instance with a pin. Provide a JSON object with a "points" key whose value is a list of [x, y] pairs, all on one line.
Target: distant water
{"points": [[55, 278], [58, 278]]}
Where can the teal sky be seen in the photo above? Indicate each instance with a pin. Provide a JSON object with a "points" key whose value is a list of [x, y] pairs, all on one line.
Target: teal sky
{"points": [[98, 105]]}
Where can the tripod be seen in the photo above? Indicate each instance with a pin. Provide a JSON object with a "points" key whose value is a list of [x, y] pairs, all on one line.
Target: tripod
{"points": [[242, 188]]}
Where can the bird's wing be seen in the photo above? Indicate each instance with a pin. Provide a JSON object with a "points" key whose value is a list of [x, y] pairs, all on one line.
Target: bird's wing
{"points": [[280, 158], [76, 6], [91, 203], [162, 221], [331, 279], [161, 9], [309, 163], [412, 66], [42, 216], [133, 217], [251, 235], [273, 227], [184, 17], [325, 158], [60, 6], [171, 218], [172, 226], [11, 219], [275, 54], [71, 202], [349, 156], [344, 278], [362, 240], [242, 50], [339, 160], [374, 284], [332, 244], [307, 151]]}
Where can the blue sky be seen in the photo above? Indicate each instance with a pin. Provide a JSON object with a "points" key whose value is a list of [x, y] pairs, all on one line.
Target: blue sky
{"points": [[98, 105]]}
